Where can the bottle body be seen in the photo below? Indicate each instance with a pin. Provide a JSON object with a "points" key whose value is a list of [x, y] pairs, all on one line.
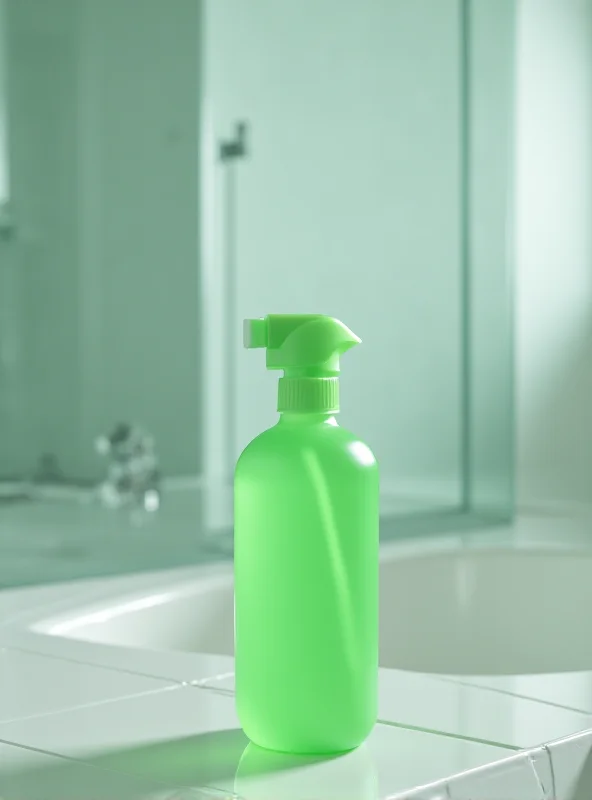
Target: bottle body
{"points": [[306, 587]]}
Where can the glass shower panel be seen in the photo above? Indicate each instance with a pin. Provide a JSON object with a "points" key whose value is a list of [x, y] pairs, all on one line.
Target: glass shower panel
{"points": [[489, 76], [350, 204], [167, 169]]}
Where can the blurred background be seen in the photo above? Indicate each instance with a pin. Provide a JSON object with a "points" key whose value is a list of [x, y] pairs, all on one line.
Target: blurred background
{"points": [[419, 169]]}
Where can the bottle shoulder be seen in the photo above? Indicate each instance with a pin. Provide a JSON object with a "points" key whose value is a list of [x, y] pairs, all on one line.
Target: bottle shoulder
{"points": [[328, 441]]}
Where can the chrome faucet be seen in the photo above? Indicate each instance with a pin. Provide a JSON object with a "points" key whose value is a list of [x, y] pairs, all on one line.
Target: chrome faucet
{"points": [[133, 476]]}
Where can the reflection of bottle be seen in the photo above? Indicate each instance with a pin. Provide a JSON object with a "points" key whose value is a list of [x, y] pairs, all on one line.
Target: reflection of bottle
{"points": [[265, 775], [306, 554]]}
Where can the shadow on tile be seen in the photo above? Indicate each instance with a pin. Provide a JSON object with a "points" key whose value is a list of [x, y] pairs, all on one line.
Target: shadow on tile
{"points": [[205, 760], [77, 781]]}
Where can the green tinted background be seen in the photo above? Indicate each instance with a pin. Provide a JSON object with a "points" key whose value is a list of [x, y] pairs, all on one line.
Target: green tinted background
{"points": [[376, 188]]}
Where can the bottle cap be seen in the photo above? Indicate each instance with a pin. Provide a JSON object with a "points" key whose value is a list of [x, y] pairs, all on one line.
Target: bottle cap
{"points": [[307, 347]]}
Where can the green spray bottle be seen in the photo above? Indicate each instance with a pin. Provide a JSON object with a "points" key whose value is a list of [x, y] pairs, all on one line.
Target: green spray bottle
{"points": [[306, 508]]}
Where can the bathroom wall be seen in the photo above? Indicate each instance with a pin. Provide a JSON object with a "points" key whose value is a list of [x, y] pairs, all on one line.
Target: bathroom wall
{"points": [[11, 383], [104, 117], [554, 251], [349, 204], [43, 260]]}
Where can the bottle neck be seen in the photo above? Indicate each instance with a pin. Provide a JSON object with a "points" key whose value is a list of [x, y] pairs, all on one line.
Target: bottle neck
{"points": [[308, 395]]}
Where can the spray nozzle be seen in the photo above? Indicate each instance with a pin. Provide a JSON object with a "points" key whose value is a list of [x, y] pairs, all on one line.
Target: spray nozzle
{"points": [[307, 347]]}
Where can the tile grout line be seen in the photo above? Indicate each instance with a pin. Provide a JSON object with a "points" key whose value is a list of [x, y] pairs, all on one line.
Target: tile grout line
{"points": [[110, 668], [442, 785], [219, 677], [387, 723], [404, 726], [215, 689], [507, 693], [202, 683], [457, 736], [93, 704], [195, 682]]}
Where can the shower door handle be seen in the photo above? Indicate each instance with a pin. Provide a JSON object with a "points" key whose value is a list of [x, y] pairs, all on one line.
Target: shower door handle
{"points": [[230, 151]]}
